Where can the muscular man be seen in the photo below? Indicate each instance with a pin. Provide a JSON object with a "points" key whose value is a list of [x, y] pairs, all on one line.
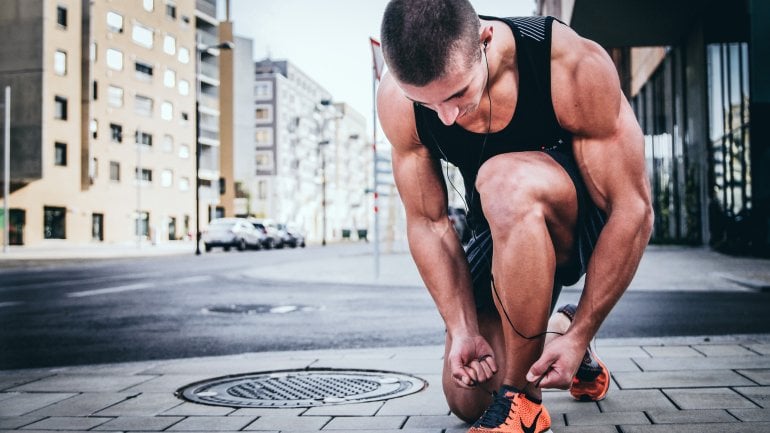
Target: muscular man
{"points": [[553, 164]]}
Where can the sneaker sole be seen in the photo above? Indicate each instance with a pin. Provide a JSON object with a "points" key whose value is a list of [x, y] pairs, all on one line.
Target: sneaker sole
{"points": [[586, 397]]}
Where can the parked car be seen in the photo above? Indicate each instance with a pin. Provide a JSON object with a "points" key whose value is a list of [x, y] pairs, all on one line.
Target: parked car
{"points": [[231, 232], [460, 223], [294, 238], [273, 238]]}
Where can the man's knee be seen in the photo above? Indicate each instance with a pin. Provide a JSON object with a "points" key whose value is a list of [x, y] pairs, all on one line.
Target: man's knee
{"points": [[508, 193], [468, 405]]}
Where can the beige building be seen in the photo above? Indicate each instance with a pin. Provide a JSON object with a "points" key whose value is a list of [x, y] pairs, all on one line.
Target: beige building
{"points": [[103, 119]]}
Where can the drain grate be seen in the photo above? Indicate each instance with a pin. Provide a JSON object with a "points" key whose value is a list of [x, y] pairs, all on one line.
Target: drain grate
{"points": [[252, 309], [301, 388]]}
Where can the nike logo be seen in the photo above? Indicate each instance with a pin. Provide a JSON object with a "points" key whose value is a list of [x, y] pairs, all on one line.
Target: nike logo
{"points": [[531, 428]]}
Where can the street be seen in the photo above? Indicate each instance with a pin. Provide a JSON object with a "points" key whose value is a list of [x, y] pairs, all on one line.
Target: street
{"points": [[74, 313]]}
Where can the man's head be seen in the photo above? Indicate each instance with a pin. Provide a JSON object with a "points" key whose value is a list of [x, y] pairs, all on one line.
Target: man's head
{"points": [[422, 40]]}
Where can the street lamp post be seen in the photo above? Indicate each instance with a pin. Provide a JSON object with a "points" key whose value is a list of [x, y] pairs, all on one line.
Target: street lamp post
{"points": [[226, 45], [321, 146]]}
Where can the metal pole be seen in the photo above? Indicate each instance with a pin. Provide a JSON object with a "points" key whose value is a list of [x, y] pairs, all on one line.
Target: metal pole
{"points": [[139, 219], [374, 170], [323, 197], [7, 171], [197, 151]]}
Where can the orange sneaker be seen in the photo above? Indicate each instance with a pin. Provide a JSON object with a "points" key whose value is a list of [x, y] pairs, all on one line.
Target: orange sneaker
{"points": [[512, 411], [592, 379]]}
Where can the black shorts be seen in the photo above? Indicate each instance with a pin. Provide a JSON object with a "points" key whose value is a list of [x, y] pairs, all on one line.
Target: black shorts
{"points": [[590, 222]]}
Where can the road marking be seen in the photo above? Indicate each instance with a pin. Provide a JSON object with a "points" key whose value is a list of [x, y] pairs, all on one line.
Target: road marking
{"points": [[9, 304], [138, 286], [109, 290]]}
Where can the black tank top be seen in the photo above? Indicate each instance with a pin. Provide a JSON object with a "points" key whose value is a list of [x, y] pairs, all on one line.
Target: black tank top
{"points": [[533, 126]]}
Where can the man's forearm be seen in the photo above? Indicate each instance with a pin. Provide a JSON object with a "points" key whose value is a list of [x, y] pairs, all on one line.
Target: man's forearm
{"points": [[612, 266], [441, 261]]}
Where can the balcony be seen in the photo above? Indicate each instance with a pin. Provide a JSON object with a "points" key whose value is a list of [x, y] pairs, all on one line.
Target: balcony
{"points": [[207, 7], [210, 71]]}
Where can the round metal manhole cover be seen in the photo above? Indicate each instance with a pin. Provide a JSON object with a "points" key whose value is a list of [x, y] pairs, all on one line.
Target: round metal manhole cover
{"points": [[301, 388], [252, 309]]}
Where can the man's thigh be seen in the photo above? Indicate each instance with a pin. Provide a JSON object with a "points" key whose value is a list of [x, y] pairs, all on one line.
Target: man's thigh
{"points": [[512, 184]]}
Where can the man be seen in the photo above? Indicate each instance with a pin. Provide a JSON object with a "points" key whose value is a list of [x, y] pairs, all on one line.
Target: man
{"points": [[553, 164]]}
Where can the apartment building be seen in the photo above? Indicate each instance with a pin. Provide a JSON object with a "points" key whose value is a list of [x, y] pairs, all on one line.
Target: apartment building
{"points": [[103, 118], [299, 158], [694, 72]]}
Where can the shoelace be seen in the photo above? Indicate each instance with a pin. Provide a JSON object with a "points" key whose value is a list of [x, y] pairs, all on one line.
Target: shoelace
{"points": [[497, 413]]}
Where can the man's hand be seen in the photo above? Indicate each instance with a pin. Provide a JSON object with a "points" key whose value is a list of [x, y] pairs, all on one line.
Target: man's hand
{"points": [[471, 360], [558, 364]]}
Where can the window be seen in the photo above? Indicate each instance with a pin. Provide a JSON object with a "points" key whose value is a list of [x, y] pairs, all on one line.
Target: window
{"points": [[184, 87], [60, 108], [262, 189], [264, 160], [263, 114], [171, 10], [143, 175], [60, 154], [184, 151], [168, 144], [185, 117], [184, 55], [115, 96], [61, 16], [93, 169], [143, 224], [114, 59], [60, 62], [54, 222], [94, 91], [143, 138], [97, 227], [143, 70], [142, 35], [264, 136], [114, 22], [166, 110], [114, 171], [184, 184], [263, 90], [116, 133], [169, 78], [92, 51], [148, 5], [94, 128], [166, 178], [169, 45], [143, 105]]}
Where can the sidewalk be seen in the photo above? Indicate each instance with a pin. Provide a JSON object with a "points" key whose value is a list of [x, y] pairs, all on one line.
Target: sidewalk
{"points": [[687, 384], [684, 385]]}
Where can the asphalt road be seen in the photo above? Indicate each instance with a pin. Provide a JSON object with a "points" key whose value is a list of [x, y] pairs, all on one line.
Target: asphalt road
{"points": [[74, 313]]}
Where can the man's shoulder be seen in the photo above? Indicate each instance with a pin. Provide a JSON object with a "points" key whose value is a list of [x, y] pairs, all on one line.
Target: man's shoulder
{"points": [[584, 83], [396, 113]]}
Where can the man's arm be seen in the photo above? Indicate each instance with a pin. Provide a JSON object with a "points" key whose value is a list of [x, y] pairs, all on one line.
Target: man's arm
{"points": [[609, 149], [433, 243]]}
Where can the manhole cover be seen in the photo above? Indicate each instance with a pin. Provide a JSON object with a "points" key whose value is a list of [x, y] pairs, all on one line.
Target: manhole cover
{"points": [[250, 309], [301, 388]]}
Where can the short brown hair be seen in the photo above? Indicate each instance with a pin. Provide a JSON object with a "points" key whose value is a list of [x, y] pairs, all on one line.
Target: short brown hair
{"points": [[419, 37]]}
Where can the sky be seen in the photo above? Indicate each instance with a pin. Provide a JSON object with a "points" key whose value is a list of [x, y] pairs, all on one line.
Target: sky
{"points": [[329, 39]]}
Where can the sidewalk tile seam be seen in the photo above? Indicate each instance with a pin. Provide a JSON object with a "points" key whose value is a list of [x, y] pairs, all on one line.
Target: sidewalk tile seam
{"points": [[747, 397], [747, 377]]}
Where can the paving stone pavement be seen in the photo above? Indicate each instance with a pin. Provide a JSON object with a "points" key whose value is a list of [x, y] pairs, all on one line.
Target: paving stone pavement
{"points": [[681, 384]]}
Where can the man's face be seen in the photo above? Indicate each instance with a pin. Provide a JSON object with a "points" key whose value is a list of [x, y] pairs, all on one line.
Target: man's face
{"points": [[455, 95]]}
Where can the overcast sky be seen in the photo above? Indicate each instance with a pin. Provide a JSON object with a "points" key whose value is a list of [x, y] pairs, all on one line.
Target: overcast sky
{"points": [[329, 39]]}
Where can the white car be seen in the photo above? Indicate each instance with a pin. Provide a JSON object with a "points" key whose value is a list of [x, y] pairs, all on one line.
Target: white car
{"points": [[232, 232]]}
